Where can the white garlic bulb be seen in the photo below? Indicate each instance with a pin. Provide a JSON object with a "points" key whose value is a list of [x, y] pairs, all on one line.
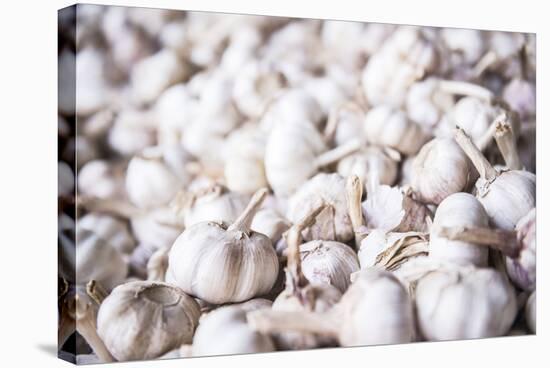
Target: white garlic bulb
{"points": [[157, 228], [440, 169], [390, 127], [507, 195], [98, 260], [375, 310], [328, 262], [426, 103], [214, 203], [110, 229], [244, 163], [345, 123], [327, 92], [460, 210], [327, 189], [65, 179], [520, 94], [132, 131], [221, 264], [466, 45], [531, 312], [91, 89], [295, 106], [100, 179], [152, 75], [362, 163], [225, 331], [144, 320], [522, 269], [270, 222], [155, 176], [175, 110], [468, 304]]}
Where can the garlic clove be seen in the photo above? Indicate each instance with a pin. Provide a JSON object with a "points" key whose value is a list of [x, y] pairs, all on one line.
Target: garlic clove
{"points": [[158, 264], [166, 318]]}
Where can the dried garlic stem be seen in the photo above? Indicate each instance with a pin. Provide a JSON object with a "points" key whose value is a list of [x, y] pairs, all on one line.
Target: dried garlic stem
{"points": [[338, 153], [506, 141], [466, 89], [482, 165], [485, 62], [112, 207], [354, 191], [86, 315], [502, 240], [294, 238], [270, 321], [242, 223]]}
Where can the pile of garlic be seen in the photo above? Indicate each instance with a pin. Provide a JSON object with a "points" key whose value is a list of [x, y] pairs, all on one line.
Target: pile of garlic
{"points": [[251, 184]]}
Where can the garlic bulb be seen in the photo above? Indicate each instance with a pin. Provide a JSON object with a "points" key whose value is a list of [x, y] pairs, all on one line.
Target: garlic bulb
{"points": [[345, 123], [268, 221], [440, 169], [426, 103], [175, 110], [155, 176], [157, 228], [507, 195], [244, 164], [390, 127], [404, 58], [225, 331], [531, 312], [157, 265], [300, 294], [65, 179], [294, 106], [215, 203], [444, 301], [327, 189], [222, 264], [390, 250], [328, 262], [460, 210], [522, 269], [98, 260], [152, 75], [466, 45], [166, 318], [100, 179], [520, 94], [362, 163], [109, 228], [132, 131], [375, 310], [90, 91], [327, 92]]}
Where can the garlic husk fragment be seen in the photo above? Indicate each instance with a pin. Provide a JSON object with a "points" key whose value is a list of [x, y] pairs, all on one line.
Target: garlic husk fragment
{"points": [[460, 210], [214, 203], [464, 304], [507, 195], [390, 250], [390, 127], [327, 189], [155, 176], [221, 264], [375, 310], [440, 169], [226, 331], [328, 262], [144, 319], [300, 294], [96, 259], [531, 312], [113, 230]]}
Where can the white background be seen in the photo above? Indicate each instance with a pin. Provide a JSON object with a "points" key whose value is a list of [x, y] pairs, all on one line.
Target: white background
{"points": [[28, 126]]}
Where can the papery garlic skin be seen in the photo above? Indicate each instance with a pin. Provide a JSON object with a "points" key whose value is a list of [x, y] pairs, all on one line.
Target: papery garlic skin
{"points": [[111, 229], [290, 154], [375, 310], [469, 304], [508, 198], [323, 188], [458, 210], [98, 260], [390, 127], [225, 331], [328, 262], [523, 269], [155, 176], [143, 320], [531, 312], [440, 169]]}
